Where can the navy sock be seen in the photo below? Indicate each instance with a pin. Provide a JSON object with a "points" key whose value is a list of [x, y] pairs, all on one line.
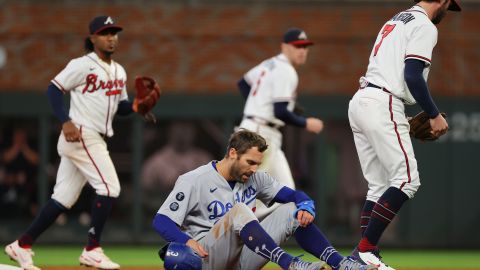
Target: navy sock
{"points": [[258, 240], [382, 214], [100, 211], [320, 247], [365, 215], [47, 216]]}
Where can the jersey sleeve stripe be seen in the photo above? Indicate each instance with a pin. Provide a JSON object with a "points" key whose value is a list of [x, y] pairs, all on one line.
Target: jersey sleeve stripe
{"points": [[418, 57], [59, 86]]}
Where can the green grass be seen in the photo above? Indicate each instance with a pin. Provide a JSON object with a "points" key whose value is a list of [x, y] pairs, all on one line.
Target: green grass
{"points": [[147, 256]]}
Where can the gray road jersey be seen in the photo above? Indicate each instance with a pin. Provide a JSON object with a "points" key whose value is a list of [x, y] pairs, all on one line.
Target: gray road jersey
{"points": [[202, 196]]}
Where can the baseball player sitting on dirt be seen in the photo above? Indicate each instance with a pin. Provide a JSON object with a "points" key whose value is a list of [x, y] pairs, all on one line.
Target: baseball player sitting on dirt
{"points": [[211, 210]]}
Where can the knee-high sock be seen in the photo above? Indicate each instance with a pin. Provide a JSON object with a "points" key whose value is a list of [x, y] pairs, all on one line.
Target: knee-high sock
{"points": [[100, 211], [258, 240], [45, 218], [312, 240], [365, 215], [382, 214]]}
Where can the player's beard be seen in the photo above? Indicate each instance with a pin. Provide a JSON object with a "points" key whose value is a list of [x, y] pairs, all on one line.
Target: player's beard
{"points": [[237, 174], [441, 12]]}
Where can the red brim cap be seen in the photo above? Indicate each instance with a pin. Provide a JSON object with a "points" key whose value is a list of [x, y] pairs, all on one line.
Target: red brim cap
{"points": [[302, 42], [118, 28]]}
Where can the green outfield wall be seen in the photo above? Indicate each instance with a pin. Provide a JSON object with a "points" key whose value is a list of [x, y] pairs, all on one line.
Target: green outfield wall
{"points": [[445, 213]]}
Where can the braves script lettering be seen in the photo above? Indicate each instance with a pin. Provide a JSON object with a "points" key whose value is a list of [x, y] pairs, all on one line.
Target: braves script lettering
{"points": [[93, 84]]}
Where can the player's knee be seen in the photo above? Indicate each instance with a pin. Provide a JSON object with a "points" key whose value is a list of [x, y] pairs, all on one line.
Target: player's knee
{"points": [[110, 191], [241, 208], [115, 192], [286, 215], [243, 212], [411, 189], [64, 202]]}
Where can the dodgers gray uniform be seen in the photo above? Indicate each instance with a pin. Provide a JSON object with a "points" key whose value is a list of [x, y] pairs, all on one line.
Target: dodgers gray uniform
{"points": [[206, 208]]}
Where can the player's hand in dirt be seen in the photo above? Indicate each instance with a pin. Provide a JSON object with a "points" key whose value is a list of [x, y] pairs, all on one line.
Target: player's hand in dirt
{"points": [[197, 248]]}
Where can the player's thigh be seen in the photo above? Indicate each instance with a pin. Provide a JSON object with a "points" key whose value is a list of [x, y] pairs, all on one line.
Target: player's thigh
{"points": [[69, 183], [372, 168], [94, 162], [223, 242], [395, 151], [280, 225]]}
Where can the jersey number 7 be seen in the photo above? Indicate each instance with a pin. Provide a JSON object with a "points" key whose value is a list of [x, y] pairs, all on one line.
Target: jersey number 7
{"points": [[386, 30]]}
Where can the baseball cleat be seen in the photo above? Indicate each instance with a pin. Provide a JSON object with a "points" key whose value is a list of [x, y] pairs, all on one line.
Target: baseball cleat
{"points": [[96, 258], [350, 263], [371, 257], [298, 264], [23, 256]]}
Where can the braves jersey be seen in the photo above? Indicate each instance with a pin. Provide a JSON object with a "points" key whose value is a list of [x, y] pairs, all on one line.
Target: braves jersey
{"points": [[202, 196], [96, 88], [273, 80], [408, 35]]}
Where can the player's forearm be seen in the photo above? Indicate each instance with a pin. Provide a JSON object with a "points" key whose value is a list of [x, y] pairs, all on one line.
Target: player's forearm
{"points": [[418, 86], [286, 195], [124, 107], [243, 87], [281, 112], [55, 97], [169, 230]]}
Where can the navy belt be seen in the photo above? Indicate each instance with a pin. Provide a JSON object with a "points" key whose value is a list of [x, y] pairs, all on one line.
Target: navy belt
{"points": [[378, 87], [383, 89]]}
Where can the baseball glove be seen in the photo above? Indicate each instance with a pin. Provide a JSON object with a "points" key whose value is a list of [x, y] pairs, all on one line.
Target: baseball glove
{"points": [[420, 127], [147, 95]]}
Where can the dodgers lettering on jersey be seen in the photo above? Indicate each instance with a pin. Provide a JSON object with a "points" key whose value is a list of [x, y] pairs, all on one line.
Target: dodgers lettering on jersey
{"points": [[218, 208], [201, 197], [95, 89], [273, 80], [408, 35]]}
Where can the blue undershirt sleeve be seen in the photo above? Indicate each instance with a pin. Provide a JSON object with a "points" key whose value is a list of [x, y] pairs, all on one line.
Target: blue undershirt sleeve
{"points": [[55, 96], [286, 195], [418, 86], [169, 230], [282, 113], [124, 107], [243, 87]]}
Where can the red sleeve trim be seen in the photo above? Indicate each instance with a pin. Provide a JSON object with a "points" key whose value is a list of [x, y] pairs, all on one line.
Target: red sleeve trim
{"points": [[418, 57], [59, 86]]}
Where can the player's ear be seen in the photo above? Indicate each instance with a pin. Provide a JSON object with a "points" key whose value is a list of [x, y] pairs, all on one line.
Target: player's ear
{"points": [[232, 152]]}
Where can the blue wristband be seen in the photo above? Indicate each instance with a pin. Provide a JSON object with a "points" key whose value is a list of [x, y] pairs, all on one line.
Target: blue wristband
{"points": [[308, 206]]}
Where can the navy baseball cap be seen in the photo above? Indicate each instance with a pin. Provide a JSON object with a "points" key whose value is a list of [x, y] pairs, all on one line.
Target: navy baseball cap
{"points": [[454, 6], [296, 36], [101, 23]]}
